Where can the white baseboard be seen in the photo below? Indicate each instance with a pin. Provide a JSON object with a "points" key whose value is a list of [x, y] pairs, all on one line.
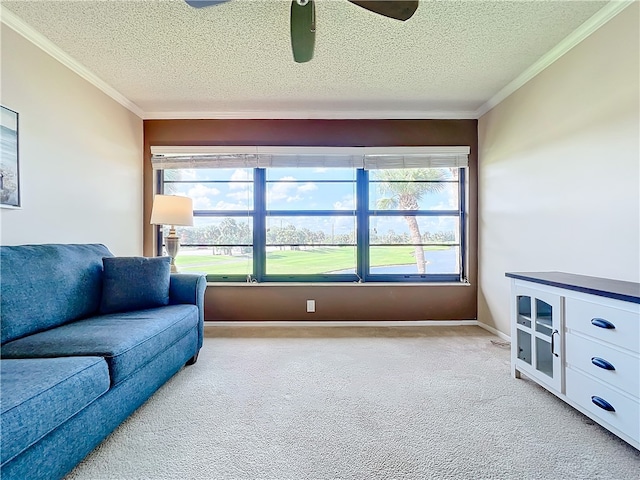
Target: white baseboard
{"points": [[497, 333], [346, 323], [368, 323]]}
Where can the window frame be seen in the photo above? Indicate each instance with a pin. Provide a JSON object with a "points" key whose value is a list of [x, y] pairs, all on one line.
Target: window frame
{"points": [[362, 214]]}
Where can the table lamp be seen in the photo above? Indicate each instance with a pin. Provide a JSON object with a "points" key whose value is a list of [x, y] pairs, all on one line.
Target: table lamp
{"points": [[172, 210]]}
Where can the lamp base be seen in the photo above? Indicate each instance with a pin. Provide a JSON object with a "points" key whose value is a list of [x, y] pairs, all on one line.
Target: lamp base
{"points": [[172, 244]]}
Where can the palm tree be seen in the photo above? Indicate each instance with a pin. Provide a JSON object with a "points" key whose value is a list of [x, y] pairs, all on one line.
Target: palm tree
{"points": [[400, 190]]}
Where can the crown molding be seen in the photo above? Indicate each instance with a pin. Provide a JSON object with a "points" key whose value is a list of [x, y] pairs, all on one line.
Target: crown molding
{"points": [[601, 17], [14, 22], [312, 114]]}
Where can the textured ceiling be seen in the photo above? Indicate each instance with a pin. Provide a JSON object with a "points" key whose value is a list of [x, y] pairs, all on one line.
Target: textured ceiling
{"points": [[168, 58]]}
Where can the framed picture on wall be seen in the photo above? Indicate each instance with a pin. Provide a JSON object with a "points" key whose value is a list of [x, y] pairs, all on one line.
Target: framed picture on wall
{"points": [[9, 163]]}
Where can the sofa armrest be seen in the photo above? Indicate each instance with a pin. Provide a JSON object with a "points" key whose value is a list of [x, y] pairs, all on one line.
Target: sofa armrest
{"points": [[189, 288]]}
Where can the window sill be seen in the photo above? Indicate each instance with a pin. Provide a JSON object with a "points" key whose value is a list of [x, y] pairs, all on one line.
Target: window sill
{"points": [[339, 284]]}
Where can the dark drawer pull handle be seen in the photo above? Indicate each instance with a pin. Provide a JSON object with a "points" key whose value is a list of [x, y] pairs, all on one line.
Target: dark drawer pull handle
{"points": [[602, 323], [602, 363], [553, 350], [603, 404]]}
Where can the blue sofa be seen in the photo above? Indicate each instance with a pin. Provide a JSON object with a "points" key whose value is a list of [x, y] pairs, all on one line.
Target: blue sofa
{"points": [[86, 339]]}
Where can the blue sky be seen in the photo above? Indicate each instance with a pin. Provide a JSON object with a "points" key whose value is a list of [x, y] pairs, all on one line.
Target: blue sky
{"points": [[305, 189]]}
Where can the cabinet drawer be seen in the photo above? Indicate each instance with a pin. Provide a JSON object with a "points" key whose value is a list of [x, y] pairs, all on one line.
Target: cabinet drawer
{"points": [[624, 323], [586, 355], [626, 417]]}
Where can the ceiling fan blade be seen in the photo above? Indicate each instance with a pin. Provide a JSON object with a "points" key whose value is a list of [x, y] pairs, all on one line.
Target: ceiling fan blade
{"points": [[398, 9], [303, 29], [204, 3]]}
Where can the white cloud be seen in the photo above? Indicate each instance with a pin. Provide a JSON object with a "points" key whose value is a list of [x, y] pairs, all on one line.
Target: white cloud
{"points": [[243, 195], [201, 190], [307, 187], [202, 196], [289, 190], [201, 203], [188, 174], [222, 205], [287, 178], [281, 190], [347, 203], [453, 202], [240, 176]]}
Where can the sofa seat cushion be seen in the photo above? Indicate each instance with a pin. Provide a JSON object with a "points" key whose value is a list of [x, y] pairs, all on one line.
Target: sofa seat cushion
{"points": [[39, 394], [127, 340]]}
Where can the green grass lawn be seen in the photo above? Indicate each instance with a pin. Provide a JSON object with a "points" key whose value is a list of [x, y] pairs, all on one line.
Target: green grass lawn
{"points": [[292, 262]]}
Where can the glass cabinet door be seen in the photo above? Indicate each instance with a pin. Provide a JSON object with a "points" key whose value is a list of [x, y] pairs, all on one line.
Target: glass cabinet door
{"points": [[523, 336], [538, 346], [544, 326], [524, 346]]}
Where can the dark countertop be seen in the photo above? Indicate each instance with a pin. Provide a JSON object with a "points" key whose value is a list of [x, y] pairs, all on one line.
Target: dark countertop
{"points": [[604, 287]]}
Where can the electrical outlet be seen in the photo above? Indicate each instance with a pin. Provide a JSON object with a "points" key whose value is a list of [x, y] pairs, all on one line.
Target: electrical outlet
{"points": [[311, 306]]}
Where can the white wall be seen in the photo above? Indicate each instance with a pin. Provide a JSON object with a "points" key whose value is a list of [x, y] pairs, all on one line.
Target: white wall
{"points": [[80, 156], [559, 173]]}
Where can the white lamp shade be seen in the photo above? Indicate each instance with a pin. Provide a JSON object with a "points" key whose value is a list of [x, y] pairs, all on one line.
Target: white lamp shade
{"points": [[172, 210]]}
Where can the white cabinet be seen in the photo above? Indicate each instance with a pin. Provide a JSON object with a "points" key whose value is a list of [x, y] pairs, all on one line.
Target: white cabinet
{"points": [[579, 337]]}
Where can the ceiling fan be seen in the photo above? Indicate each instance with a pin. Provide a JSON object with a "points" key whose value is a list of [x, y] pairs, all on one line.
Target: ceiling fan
{"points": [[303, 19]]}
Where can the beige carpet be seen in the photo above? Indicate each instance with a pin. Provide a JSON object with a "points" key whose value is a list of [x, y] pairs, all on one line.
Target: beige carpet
{"points": [[356, 403]]}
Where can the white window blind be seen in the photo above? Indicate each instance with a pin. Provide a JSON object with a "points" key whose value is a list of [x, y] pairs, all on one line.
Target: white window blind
{"points": [[315, 157], [315, 161], [162, 162]]}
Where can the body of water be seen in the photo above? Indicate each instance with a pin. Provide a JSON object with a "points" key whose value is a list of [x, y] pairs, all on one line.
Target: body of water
{"points": [[439, 261]]}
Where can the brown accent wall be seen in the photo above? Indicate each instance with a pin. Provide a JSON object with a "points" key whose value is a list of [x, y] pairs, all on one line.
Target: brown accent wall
{"points": [[333, 302]]}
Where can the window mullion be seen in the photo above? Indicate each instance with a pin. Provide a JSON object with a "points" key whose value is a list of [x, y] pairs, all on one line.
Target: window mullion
{"points": [[362, 222], [462, 207], [310, 213], [259, 224], [158, 228]]}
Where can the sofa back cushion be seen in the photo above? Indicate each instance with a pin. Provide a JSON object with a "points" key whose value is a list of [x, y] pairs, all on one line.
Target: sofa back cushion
{"points": [[135, 283], [43, 286]]}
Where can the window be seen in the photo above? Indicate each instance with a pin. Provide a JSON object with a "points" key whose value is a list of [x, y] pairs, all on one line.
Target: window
{"points": [[220, 242], [310, 222], [415, 222], [292, 220]]}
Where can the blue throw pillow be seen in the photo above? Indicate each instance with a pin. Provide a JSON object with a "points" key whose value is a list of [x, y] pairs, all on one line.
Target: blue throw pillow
{"points": [[134, 283]]}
